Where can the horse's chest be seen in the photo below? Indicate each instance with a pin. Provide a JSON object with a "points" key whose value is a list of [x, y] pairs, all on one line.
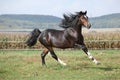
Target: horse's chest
{"points": [[71, 33]]}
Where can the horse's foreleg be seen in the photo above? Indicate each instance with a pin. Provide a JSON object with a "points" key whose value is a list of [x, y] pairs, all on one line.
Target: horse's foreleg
{"points": [[84, 48], [56, 58], [43, 54]]}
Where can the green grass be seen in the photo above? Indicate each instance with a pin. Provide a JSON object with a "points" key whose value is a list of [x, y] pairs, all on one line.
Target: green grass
{"points": [[26, 65]]}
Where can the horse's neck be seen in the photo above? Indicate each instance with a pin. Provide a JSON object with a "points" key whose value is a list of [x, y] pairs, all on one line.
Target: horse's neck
{"points": [[78, 29], [80, 38]]}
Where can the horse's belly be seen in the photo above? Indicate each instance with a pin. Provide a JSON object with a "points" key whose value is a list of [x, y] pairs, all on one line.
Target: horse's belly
{"points": [[62, 44]]}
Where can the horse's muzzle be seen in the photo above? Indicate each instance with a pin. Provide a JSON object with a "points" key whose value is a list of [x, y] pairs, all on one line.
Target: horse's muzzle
{"points": [[89, 26]]}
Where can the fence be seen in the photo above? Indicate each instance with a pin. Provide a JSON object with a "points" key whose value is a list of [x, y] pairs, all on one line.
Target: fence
{"points": [[91, 44]]}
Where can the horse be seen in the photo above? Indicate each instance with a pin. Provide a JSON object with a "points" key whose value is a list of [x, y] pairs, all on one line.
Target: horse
{"points": [[70, 37]]}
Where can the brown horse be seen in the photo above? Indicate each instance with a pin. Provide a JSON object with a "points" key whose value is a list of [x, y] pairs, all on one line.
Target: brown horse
{"points": [[70, 37]]}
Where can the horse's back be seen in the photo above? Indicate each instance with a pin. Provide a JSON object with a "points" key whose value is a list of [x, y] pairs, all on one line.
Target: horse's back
{"points": [[49, 36], [54, 38]]}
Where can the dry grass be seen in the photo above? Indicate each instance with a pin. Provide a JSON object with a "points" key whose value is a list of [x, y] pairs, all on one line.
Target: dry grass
{"points": [[94, 39], [13, 36]]}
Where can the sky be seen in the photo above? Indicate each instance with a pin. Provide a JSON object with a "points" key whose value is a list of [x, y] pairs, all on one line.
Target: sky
{"points": [[57, 8]]}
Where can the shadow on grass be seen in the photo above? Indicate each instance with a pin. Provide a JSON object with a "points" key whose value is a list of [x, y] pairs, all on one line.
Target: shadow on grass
{"points": [[80, 67], [2, 71], [104, 68]]}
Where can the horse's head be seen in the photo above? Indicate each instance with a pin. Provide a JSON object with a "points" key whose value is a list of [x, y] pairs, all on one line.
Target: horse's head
{"points": [[83, 19]]}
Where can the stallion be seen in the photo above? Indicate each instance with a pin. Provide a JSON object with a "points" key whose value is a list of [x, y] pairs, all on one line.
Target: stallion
{"points": [[70, 37]]}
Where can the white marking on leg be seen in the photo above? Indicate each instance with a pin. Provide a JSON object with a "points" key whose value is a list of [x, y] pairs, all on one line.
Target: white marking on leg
{"points": [[95, 61], [88, 53], [91, 57], [61, 62]]}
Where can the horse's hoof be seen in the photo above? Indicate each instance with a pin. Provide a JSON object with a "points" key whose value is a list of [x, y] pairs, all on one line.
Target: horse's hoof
{"points": [[98, 63]]}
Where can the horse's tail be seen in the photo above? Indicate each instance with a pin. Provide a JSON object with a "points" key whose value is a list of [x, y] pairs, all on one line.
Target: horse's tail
{"points": [[32, 39]]}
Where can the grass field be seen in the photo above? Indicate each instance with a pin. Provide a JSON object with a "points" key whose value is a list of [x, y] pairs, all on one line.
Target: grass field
{"points": [[26, 65]]}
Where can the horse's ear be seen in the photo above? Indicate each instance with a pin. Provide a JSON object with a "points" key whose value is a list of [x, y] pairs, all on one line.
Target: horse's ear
{"points": [[85, 12], [79, 13]]}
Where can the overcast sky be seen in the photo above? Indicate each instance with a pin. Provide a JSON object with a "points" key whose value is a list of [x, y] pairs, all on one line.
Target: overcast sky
{"points": [[58, 7]]}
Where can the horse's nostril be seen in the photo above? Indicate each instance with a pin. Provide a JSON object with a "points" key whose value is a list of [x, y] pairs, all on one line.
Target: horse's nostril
{"points": [[89, 25]]}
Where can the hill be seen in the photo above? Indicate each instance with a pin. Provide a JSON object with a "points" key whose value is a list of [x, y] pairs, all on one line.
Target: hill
{"points": [[28, 21], [106, 21], [14, 21]]}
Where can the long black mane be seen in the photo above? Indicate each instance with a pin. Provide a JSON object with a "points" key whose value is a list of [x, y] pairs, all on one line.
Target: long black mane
{"points": [[71, 20]]}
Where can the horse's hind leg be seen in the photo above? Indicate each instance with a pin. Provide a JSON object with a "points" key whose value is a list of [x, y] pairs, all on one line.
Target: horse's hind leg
{"points": [[43, 54], [55, 56]]}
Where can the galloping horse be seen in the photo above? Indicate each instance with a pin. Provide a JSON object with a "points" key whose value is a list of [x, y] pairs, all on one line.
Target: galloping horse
{"points": [[70, 37]]}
